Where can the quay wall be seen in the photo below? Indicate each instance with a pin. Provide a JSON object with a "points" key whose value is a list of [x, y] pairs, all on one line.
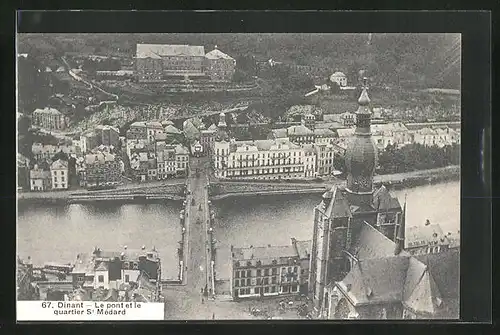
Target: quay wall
{"points": [[225, 189]]}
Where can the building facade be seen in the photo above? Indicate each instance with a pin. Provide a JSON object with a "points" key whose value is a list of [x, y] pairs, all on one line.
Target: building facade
{"points": [[264, 271], [157, 62], [219, 66], [261, 159], [102, 169], [339, 78], [49, 118], [60, 175], [40, 180]]}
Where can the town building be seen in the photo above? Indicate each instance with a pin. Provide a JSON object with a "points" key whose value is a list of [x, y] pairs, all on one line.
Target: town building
{"points": [[142, 130], [40, 180], [166, 161], [297, 134], [436, 136], [339, 78], [173, 135], [102, 169], [324, 136], [428, 239], [310, 168], [182, 160], [60, 175], [23, 172], [264, 271], [324, 159], [309, 121], [387, 134], [303, 250], [207, 139], [219, 66], [111, 269], [261, 159], [157, 62], [295, 113], [49, 118], [196, 149], [359, 268], [110, 136], [45, 152]]}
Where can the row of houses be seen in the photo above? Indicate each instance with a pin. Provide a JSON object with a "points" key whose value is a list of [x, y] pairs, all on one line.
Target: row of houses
{"points": [[49, 119], [156, 151]]}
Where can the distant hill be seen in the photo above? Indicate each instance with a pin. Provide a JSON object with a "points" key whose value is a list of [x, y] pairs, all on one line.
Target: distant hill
{"points": [[403, 60]]}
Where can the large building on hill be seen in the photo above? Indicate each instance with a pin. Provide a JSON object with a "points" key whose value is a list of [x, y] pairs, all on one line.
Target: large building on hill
{"points": [[159, 62], [359, 266]]}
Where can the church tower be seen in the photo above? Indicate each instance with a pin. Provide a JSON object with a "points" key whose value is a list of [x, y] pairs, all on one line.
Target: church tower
{"points": [[361, 156]]}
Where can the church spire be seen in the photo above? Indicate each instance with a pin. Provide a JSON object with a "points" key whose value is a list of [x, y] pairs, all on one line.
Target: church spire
{"points": [[361, 153], [400, 238]]}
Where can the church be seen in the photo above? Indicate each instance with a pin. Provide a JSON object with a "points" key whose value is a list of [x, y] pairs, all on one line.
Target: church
{"points": [[359, 268]]}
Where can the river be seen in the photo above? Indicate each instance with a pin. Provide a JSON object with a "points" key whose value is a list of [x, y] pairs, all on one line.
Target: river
{"points": [[276, 219], [58, 233]]}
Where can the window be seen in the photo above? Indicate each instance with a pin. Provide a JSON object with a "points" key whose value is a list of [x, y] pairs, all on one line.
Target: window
{"points": [[249, 283], [273, 289], [249, 273], [266, 272], [266, 281], [259, 273], [275, 271], [237, 274], [55, 179], [62, 173], [247, 291], [258, 281], [289, 269], [101, 279], [242, 291], [283, 270], [55, 185], [243, 274], [236, 283], [294, 288], [295, 269], [266, 289], [127, 278], [273, 280]]}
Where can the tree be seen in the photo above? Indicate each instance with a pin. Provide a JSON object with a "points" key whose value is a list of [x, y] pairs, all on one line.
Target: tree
{"points": [[240, 76]]}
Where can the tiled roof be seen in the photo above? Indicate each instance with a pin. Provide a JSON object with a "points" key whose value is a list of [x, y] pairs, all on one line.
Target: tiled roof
{"points": [[160, 50], [39, 174], [217, 54], [383, 200], [370, 243], [324, 132], [346, 132], [444, 268], [376, 280], [423, 235], [303, 248], [280, 133], [261, 253], [59, 165], [166, 123], [426, 131], [138, 124], [338, 206], [212, 127], [414, 274], [170, 129], [299, 130], [264, 145], [338, 74], [328, 125], [309, 148], [103, 266], [47, 110], [180, 150], [99, 157], [331, 117], [425, 297]]}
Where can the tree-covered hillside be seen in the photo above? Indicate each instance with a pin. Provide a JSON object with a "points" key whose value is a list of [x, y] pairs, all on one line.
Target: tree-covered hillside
{"points": [[408, 60]]}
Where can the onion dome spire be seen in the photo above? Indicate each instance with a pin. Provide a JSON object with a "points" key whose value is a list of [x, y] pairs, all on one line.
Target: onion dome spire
{"points": [[364, 99]]}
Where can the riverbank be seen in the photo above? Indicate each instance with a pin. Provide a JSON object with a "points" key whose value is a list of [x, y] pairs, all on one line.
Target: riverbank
{"points": [[127, 193], [226, 189]]}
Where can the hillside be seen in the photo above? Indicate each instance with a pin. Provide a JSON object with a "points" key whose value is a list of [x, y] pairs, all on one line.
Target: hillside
{"points": [[410, 60]]}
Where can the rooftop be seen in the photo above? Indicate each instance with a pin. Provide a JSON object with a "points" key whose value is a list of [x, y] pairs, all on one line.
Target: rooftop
{"points": [[99, 158], [299, 130], [59, 165], [264, 253], [158, 51], [217, 54]]}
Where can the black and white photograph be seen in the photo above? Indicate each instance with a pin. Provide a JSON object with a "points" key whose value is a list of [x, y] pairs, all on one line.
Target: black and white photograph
{"points": [[238, 176]]}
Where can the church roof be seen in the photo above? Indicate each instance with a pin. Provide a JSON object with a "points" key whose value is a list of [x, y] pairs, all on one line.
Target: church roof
{"points": [[425, 297], [212, 127], [376, 280], [217, 54], [368, 243], [384, 201], [338, 206]]}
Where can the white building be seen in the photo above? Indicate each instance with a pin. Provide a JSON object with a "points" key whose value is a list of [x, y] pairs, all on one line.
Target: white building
{"points": [[261, 159], [339, 78], [59, 173], [310, 169], [390, 134], [182, 160]]}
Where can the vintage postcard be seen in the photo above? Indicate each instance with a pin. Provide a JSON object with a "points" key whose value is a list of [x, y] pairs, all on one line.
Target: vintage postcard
{"points": [[215, 176]]}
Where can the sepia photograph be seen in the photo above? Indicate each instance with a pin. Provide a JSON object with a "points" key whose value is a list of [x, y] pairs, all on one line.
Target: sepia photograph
{"points": [[238, 176]]}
